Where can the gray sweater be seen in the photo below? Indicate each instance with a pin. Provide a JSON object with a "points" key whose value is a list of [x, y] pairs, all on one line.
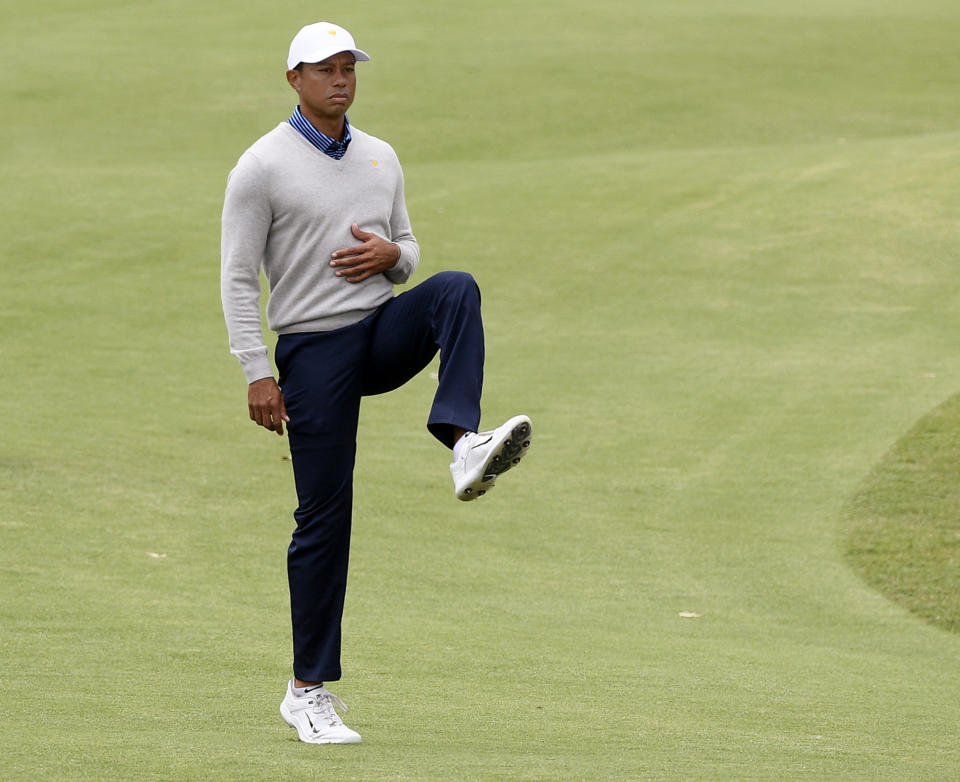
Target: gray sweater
{"points": [[288, 206]]}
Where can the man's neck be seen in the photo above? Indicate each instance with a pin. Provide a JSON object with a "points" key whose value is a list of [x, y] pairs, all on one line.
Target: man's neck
{"points": [[332, 127]]}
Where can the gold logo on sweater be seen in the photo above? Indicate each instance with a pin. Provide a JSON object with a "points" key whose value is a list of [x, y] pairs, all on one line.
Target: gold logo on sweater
{"points": [[375, 163]]}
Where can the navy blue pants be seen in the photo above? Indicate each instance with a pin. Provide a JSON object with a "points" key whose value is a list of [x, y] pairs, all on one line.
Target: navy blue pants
{"points": [[323, 376]]}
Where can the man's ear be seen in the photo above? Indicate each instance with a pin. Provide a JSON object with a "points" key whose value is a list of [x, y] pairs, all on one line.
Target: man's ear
{"points": [[293, 78]]}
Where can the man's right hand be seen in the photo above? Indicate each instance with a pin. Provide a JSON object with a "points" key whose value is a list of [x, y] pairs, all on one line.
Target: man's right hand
{"points": [[266, 404]]}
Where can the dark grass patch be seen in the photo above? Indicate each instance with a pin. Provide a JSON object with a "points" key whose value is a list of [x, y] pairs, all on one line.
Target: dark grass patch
{"points": [[903, 525]]}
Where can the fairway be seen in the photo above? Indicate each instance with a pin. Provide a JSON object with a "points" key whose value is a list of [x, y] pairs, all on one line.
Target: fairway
{"points": [[717, 244]]}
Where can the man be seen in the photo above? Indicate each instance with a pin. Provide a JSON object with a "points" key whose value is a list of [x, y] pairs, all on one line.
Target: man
{"points": [[318, 205]]}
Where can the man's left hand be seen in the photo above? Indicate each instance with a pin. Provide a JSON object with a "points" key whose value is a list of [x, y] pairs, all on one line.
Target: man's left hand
{"points": [[374, 256]]}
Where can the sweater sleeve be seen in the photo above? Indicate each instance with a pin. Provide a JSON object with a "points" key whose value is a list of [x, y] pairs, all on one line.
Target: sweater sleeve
{"points": [[402, 236], [245, 225]]}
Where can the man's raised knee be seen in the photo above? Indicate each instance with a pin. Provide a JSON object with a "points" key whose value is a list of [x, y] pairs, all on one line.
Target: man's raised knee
{"points": [[461, 282]]}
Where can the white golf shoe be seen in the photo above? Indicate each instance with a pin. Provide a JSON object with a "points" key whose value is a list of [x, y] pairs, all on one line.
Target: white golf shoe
{"points": [[485, 455], [315, 718]]}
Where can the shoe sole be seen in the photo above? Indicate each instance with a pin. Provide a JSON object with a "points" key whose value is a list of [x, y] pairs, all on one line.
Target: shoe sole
{"points": [[287, 718], [505, 456]]}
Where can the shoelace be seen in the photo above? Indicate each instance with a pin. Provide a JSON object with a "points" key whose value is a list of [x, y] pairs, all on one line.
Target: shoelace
{"points": [[323, 705]]}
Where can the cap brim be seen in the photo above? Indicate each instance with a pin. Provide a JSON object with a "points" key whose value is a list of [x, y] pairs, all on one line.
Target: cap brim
{"points": [[320, 56]]}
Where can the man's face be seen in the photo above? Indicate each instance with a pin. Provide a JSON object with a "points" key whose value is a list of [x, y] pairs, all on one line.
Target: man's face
{"points": [[326, 89]]}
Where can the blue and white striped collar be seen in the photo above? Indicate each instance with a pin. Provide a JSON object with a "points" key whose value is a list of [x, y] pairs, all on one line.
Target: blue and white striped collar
{"points": [[323, 142]]}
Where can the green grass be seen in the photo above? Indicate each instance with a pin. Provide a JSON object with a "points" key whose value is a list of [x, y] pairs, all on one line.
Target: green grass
{"points": [[904, 537], [717, 245]]}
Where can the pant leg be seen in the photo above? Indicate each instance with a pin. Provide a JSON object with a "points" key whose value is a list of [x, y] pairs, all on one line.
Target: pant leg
{"points": [[441, 313], [320, 376]]}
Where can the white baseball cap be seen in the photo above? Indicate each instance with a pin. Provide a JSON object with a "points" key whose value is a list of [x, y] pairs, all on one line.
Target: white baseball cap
{"points": [[316, 42]]}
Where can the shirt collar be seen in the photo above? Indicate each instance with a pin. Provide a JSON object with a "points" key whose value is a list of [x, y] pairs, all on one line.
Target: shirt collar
{"points": [[329, 146]]}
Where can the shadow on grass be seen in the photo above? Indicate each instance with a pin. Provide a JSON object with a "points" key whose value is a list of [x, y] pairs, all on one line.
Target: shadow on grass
{"points": [[903, 525]]}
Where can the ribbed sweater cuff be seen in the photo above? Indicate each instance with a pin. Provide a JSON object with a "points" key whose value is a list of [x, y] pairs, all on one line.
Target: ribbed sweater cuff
{"points": [[406, 263], [255, 363]]}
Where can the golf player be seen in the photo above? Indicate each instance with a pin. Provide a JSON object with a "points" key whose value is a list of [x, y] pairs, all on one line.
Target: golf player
{"points": [[318, 206]]}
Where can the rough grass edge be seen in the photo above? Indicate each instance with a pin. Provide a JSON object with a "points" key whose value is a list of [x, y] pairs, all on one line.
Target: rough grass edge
{"points": [[902, 526]]}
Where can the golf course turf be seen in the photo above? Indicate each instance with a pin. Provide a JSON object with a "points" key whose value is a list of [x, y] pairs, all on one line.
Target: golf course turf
{"points": [[717, 245]]}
